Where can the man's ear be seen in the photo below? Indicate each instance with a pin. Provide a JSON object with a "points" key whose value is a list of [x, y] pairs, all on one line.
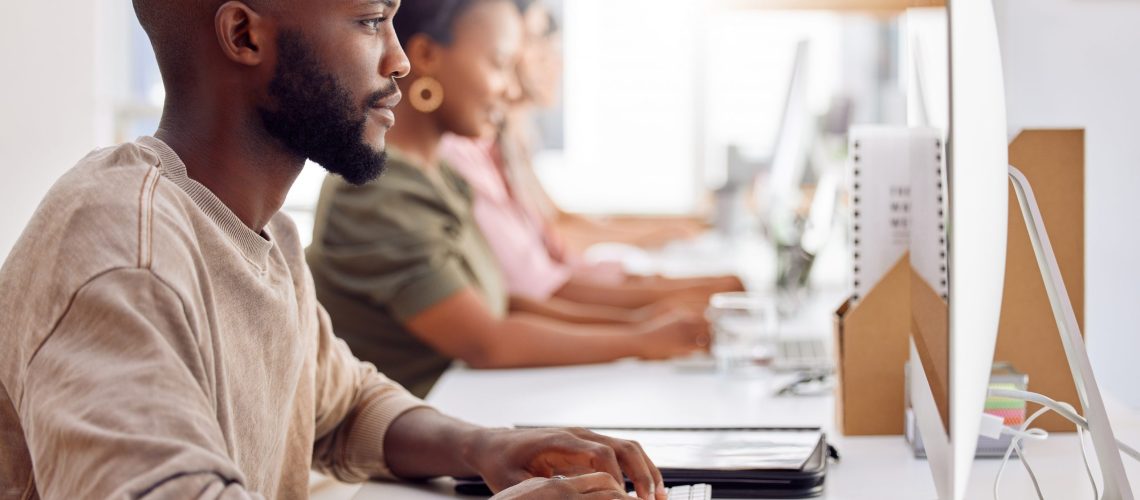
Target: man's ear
{"points": [[242, 33], [424, 54]]}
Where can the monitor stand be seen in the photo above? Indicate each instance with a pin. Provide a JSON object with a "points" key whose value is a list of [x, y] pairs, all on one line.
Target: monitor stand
{"points": [[1104, 442]]}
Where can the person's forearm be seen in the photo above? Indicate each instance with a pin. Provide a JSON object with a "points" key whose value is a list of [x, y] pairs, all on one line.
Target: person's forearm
{"points": [[424, 443], [584, 231], [527, 340], [637, 293], [624, 295], [589, 230], [574, 312], [692, 285]]}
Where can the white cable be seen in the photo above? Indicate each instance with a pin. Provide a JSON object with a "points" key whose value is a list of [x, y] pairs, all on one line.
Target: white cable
{"points": [[1025, 462], [1128, 450], [1085, 459], [1046, 401], [1031, 434], [1064, 409], [1015, 444], [1081, 429], [1009, 451]]}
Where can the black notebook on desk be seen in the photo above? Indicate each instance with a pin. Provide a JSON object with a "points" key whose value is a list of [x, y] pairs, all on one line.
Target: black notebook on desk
{"points": [[753, 462]]}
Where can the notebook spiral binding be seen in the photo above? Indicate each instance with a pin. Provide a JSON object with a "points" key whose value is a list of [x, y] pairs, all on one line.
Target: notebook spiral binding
{"points": [[858, 175], [940, 174], [856, 254]]}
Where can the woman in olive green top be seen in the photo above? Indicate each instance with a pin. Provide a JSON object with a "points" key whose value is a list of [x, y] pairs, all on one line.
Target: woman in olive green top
{"points": [[384, 252], [400, 264]]}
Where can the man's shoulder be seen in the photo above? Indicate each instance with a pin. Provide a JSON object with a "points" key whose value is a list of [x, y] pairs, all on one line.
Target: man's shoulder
{"points": [[93, 211], [106, 213], [88, 224]]}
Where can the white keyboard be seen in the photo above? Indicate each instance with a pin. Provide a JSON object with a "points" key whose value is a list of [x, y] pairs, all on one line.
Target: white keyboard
{"points": [[797, 354], [691, 492], [687, 492]]}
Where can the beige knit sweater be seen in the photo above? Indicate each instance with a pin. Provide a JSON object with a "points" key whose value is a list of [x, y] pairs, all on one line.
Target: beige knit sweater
{"points": [[151, 345]]}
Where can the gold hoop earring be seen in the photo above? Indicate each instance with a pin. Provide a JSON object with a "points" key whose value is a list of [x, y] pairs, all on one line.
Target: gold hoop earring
{"points": [[426, 94]]}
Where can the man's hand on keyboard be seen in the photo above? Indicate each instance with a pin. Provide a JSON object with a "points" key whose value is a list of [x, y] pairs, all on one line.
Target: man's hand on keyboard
{"points": [[596, 486], [507, 457]]}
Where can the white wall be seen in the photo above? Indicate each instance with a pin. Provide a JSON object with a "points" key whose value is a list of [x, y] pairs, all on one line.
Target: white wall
{"points": [[49, 113], [1074, 63], [630, 111], [656, 90], [746, 65]]}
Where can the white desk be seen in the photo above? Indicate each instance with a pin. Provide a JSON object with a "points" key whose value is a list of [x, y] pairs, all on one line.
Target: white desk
{"points": [[638, 393]]}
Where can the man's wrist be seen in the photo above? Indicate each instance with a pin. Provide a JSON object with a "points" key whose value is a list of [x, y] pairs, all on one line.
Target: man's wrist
{"points": [[473, 443]]}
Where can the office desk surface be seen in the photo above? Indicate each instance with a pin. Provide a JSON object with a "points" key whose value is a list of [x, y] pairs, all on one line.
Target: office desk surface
{"points": [[662, 393], [671, 394]]}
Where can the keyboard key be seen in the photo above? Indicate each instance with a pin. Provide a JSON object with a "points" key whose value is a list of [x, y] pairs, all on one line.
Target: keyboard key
{"points": [[691, 492], [687, 492]]}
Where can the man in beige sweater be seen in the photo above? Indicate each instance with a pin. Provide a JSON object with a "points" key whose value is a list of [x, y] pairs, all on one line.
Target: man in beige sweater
{"points": [[160, 337]]}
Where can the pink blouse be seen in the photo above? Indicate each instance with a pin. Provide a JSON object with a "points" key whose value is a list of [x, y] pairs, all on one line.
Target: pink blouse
{"points": [[515, 237]]}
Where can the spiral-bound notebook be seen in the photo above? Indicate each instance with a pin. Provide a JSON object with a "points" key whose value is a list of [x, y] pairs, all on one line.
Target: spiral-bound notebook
{"points": [[928, 211], [885, 209]]}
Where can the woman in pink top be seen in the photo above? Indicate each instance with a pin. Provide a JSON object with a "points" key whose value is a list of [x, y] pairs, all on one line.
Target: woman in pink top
{"points": [[509, 210], [533, 274], [515, 235]]}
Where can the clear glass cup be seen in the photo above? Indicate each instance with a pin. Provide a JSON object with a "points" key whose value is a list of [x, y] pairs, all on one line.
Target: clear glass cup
{"points": [[745, 330]]}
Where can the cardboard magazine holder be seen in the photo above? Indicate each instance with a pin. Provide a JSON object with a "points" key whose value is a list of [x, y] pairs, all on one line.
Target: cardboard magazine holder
{"points": [[872, 335], [1054, 163], [872, 347]]}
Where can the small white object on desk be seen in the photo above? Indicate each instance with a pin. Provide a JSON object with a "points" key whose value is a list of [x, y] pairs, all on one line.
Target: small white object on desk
{"points": [[688, 492]]}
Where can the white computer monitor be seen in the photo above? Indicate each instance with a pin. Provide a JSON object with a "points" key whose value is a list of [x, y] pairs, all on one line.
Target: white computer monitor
{"points": [[951, 363], [793, 141], [948, 392]]}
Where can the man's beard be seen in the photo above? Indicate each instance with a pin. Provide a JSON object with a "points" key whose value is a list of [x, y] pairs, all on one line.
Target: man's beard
{"points": [[314, 116]]}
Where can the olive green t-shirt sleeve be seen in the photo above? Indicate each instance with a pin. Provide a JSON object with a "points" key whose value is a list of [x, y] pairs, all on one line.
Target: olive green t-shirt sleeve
{"points": [[388, 241]]}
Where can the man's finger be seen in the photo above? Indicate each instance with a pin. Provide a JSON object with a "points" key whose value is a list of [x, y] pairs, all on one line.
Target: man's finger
{"points": [[604, 459], [658, 479], [632, 459], [636, 465], [588, 446]]}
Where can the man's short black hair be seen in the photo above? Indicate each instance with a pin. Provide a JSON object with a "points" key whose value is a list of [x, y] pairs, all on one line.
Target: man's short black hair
{"points": [[168, 25]]}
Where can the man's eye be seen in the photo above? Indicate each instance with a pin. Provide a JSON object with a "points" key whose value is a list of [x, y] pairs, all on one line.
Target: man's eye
{"points": [[374, 23]]}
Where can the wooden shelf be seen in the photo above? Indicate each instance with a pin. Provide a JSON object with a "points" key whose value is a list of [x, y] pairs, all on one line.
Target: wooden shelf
{"points": [[839, 5]]}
